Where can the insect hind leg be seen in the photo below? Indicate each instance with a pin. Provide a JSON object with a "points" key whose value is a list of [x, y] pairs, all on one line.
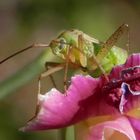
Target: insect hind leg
{"points": [[100, 67], [111, 41]]}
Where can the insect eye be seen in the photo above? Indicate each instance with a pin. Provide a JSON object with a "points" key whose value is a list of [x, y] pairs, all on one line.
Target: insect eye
{"points": [[62, 43]]}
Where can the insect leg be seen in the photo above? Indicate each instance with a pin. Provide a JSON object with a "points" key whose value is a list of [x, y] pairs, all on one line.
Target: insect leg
{"points": [[84, 58], [100, 67], [116, 35], [66, 68], [111, 41], [49, 65], [54, 68], [82, 55]]}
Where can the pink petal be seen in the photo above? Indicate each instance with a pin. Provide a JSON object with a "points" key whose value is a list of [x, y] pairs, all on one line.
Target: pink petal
{"points": [[84, 99], [130, 99], [133, 60], [59, 110], [135, 122], [121, 125]]}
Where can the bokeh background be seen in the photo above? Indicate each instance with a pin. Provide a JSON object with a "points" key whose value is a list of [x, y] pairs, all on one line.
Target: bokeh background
{"points": [[23, 22]]}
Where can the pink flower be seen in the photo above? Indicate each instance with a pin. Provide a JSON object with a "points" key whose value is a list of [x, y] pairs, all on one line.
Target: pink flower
{"points": [[98, 108]]}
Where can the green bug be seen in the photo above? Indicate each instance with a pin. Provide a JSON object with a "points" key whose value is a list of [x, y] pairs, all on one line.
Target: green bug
{"points": [[76, 47], [79, 50]]}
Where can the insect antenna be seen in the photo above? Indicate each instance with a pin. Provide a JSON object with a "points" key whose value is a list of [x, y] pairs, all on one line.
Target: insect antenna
{"points": [[25, 49]]}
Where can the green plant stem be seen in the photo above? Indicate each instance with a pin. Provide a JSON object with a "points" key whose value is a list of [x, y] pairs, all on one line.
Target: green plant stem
{"points": [[62, 134]]}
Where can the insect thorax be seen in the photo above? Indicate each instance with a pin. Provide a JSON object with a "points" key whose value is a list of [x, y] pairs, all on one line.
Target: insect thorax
{"points": [[81, 46]]}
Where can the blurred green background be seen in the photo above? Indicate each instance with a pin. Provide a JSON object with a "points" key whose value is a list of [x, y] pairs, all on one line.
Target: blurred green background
{"points": [[23, 22]]}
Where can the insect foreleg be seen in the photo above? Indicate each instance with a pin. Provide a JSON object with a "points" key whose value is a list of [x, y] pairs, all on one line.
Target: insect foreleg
{"points": [[54, 68], [82, 55], [66, 68], [49, 65]]}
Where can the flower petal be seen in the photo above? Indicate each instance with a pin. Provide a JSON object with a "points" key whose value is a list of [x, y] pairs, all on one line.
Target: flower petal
{"points": [[135, 122], [136, 125], [130, 99], [133, 60], [121, 125], [59, 110]]}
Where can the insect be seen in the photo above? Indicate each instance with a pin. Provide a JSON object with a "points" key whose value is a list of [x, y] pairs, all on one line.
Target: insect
{"points": [[79, 50]]}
